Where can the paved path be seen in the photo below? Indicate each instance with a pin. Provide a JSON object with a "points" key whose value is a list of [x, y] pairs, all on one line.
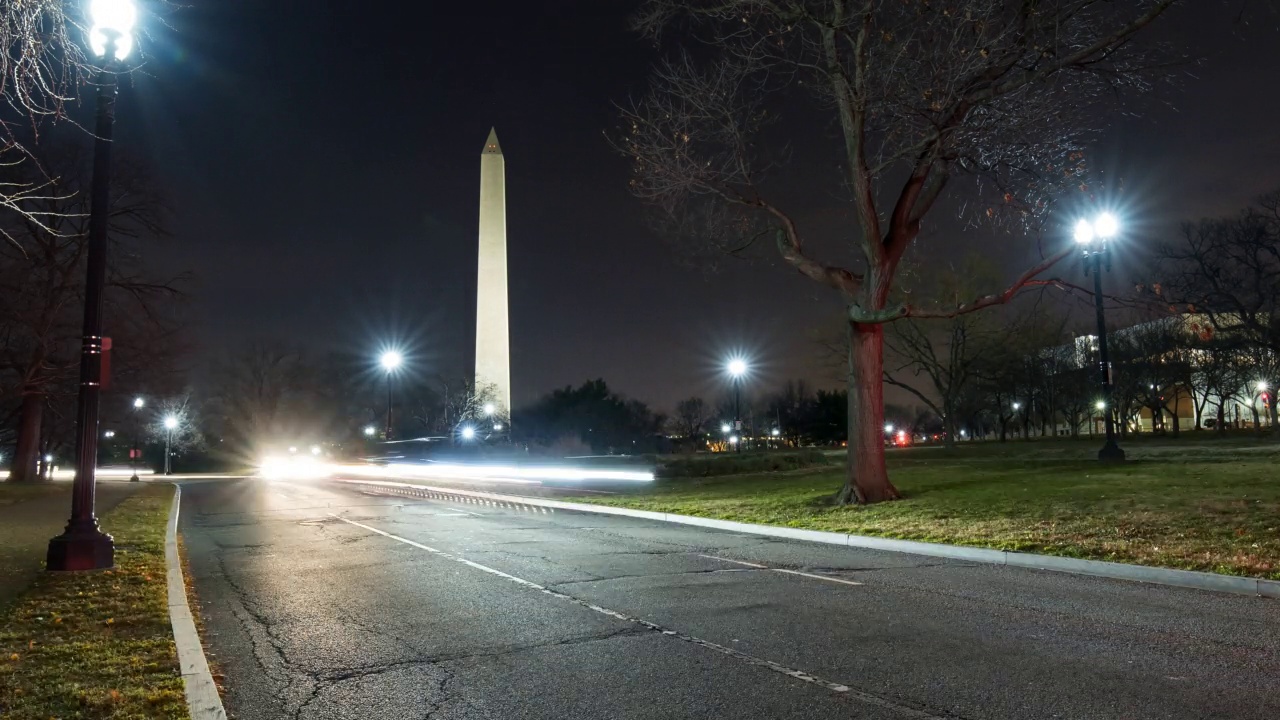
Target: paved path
{"points": [[320, 602], [29, 517]]}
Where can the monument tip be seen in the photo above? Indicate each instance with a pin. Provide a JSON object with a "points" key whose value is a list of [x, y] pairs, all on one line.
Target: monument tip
{"points": [[491, 145]]}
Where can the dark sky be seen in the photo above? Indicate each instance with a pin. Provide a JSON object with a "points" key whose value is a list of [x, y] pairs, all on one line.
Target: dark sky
{"points": [[323, 164]]}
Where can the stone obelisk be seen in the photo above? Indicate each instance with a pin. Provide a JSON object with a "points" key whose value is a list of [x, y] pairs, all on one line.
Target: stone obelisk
{"points": [[493, 344]]}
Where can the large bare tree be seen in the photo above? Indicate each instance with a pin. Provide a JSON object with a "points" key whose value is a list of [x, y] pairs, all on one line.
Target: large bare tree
{"points": [[42, 285], [916, 93]]}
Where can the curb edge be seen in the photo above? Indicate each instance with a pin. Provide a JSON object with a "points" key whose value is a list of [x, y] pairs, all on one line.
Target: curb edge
{"points": [[203, 701]]}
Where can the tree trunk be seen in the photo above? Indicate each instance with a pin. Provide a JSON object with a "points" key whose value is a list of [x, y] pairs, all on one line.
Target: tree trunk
{"points": [[1222, 417], [1177, 419], [1257, 420], [1272, 408], [948, 426], [867, 480], [26, 458]]}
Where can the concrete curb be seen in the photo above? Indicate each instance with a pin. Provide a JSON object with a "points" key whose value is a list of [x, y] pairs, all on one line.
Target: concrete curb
{"points": [[202, 694], [1118, 571]]}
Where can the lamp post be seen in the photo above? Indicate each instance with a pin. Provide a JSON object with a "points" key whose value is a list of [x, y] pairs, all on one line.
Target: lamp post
{"points": [[82, 545], [134, 450], [390, 360], [1092, 235], [737, 369], [170, 424]]}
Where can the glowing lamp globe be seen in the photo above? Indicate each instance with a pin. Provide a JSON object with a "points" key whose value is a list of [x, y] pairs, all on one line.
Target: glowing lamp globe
{"points": [[1084, 232], [737, 368], [1106, 226], [113, 22], [391, 360], [170, 422]]}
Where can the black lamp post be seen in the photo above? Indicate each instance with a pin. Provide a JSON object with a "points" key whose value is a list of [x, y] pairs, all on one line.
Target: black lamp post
{"points": [[83, 546], [134, 450], [1093, 237], [737, 369], [390, 360]]}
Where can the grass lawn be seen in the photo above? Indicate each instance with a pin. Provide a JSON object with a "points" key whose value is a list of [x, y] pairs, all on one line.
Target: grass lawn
{"points": [[1198, 506], [98, 645]]}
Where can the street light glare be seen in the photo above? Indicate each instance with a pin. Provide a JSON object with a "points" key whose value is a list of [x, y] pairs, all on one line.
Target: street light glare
{"points": [[1084, 232], [1262, 385], [170, 422], [112, 18], [737, 367], [489, 409], [369, 431], [468, 432], [315, 449], [888, 427], [1106, 226], [733, 440], [1101, 405], [724, 427], [391, 360], [138, 403]]}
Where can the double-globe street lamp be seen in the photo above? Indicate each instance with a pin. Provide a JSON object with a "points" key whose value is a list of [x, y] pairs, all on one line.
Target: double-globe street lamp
{"points": [[82, 545], [1093, 236]]}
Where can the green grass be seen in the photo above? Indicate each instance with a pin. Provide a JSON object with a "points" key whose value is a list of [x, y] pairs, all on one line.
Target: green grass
{"points": [[98, 645], [1212, 507]]}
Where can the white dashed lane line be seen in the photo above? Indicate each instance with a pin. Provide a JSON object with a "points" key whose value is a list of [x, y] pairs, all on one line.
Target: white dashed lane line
{"points": [[824, 578], [902, 710]]}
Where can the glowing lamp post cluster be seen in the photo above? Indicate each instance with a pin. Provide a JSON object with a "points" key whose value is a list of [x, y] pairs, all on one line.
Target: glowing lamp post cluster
{"points": [[83, 546], [1093, 236]]}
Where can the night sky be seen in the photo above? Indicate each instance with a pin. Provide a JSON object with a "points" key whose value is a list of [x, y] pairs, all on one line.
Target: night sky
{"points": [[322, 160]]}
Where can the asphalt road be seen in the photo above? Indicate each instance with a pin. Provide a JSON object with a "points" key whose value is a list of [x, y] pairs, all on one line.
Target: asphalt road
{"points": [[321, 602]]}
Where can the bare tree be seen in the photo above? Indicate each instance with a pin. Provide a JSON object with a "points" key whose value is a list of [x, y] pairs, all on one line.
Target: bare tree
{"points": [[691, 417], [42, 279], [1228, 270], [937, 359], [919, 93]]}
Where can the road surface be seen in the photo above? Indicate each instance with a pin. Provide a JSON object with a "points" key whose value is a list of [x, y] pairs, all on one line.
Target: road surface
{"points": [[323, 602]]}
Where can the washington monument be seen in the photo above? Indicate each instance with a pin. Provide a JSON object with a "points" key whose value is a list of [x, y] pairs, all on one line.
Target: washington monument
{"points": [[493, 344]]}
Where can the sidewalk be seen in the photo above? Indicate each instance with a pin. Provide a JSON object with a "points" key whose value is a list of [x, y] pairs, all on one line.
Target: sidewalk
{"points": [[29, 516]]}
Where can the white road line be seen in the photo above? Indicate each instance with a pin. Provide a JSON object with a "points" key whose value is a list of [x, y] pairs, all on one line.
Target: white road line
{"points": [[736, 562], [904, 710], [828, 578]]}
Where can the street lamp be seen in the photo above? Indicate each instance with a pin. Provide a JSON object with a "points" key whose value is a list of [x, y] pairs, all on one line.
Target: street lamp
{"points": [[737, 368], [369, 431], [390, 361], [489, 409], [468, 432], [82, 545], [1093, 237], [724, 428], [134, 450], [170, 424], [888, 428]]}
